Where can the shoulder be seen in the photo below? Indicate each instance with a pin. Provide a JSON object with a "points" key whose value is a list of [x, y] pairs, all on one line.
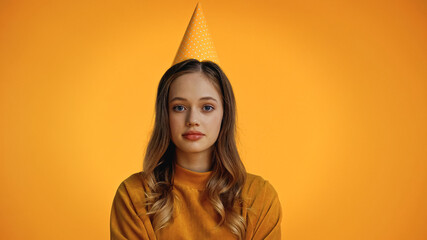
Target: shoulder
{"points": [[134, 182], [132, 190], [263, 209], [258, 190], [255, 183]]}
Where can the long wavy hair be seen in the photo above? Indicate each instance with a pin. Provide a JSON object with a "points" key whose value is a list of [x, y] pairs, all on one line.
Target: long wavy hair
{"points": [[224, 188]]}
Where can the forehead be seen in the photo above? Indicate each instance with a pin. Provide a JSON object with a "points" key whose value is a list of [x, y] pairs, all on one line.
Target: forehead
{"points": [[193, 86]]}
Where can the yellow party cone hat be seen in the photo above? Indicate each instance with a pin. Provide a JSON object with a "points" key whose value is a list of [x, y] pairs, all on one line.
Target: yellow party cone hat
{"points": [[197, 42]]}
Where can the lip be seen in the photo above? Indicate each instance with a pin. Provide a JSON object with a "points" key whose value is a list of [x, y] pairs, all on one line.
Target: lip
{"points": [[192, 133]]}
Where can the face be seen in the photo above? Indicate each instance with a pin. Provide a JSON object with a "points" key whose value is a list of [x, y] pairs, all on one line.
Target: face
{"points": [[194, 105]]}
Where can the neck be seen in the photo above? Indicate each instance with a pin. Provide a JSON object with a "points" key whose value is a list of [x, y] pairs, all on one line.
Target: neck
{"points": [[197, 162]]}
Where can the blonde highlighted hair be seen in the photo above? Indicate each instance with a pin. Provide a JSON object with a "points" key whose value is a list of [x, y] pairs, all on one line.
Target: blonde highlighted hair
{"points": [[224, 188]]}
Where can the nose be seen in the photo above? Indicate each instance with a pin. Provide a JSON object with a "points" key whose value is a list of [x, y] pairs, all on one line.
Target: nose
{"points": [[192, 118]]}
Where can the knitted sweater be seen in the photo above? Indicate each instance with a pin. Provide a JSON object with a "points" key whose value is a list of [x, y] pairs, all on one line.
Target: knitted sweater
{"points": [[194, 216]]}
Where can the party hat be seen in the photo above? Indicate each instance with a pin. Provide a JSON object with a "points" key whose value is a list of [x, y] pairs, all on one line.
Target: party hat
{"points": [[197, 42]]}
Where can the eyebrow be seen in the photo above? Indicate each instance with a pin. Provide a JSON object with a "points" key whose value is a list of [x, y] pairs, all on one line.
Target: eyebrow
{"points": [[203, 98]]}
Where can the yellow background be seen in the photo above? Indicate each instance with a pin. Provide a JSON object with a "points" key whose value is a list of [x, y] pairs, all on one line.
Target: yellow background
{"points": [[332, 109]]}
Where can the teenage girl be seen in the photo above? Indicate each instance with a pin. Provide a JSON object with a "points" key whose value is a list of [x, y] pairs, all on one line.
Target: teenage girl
{"points": [[194, 184]]}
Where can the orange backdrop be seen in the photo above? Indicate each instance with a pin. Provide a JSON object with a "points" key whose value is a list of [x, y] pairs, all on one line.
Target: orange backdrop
{"points": [[332, 109]]}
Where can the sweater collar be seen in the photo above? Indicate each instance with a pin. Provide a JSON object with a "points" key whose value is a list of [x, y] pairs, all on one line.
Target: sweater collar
{"points": [[190, 178]]}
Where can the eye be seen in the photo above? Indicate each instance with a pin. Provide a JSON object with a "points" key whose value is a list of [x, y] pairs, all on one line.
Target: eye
{"points": [[178, 108], [209, 108]]}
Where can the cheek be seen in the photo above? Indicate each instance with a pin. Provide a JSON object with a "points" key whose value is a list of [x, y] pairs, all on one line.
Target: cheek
{"points": [[217, 122], [174, 123], [171, 123]]}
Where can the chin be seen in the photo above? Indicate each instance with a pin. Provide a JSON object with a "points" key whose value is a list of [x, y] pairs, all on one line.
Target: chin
{"points": [[192, 150]]}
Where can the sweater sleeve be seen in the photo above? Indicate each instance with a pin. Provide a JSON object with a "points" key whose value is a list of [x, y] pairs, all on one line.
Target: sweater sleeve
{"points": [[125, 222], [269, 214]]}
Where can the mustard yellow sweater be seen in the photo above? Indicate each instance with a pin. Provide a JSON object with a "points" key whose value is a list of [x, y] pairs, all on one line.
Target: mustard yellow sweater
{"points": [[195, 218]]}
